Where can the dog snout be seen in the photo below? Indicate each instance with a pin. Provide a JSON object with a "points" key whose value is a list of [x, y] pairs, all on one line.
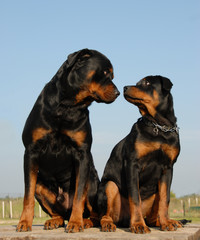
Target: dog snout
{"points": [[126, 88]]}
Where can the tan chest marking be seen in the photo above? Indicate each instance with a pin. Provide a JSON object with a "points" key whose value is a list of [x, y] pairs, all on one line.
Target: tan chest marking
{"points": [[144, 148], [78, 137], [39, 133]]}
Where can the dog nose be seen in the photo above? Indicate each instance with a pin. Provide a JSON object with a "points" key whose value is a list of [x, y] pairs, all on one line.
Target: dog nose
{"points": [[125, 88], [117, 93]]}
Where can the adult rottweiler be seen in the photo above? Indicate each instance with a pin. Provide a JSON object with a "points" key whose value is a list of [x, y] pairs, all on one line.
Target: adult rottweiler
{"points": [[58, 165], [135, 187]]}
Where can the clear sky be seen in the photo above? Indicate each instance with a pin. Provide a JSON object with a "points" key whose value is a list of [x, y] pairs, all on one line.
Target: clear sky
{"points": [[139, 37]]}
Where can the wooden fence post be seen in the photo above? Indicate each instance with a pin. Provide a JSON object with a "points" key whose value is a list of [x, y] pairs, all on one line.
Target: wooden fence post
{"points": [[189, 201], [11, 210], [40, 211], [3, 209]]}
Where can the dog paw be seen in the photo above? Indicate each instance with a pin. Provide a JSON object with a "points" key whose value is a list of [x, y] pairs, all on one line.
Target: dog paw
{"points": [[24, 226], [73, 227], [170, 225], [87, 223], [54, 223], [139, 228], [108, 226]]}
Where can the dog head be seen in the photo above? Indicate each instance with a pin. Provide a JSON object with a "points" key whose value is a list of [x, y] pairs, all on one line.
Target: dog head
{"points": [[87, 76], [151, 95]]}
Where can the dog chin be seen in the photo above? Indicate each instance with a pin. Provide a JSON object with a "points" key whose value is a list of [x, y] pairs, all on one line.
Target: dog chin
{"points": [[107, 101], [133, 100], [99, 99]]}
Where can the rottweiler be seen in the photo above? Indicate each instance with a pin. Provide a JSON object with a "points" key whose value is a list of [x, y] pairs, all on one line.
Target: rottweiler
{"points": [[58, 165], [135, 186]]}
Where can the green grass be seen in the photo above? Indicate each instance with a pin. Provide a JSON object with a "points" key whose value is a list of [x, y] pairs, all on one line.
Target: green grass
{"points": [[17, 206]]}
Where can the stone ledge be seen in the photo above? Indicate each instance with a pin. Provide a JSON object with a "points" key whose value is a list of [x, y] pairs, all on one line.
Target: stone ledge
{"points": [[189, 232]]}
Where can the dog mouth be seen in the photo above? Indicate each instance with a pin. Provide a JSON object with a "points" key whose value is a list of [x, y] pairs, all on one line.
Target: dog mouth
{"points": [[106, 98], [146, 102], [133, 99], [105, 95]]}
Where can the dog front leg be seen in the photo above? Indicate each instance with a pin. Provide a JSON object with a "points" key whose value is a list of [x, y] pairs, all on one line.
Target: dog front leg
{"points": [[137, 223], [75, 223], [164, 199], [30, 177]]}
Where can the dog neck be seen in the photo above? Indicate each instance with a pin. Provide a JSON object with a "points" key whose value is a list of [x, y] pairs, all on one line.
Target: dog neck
{"points": [[164, 115], [169, 119], [162, 125]]}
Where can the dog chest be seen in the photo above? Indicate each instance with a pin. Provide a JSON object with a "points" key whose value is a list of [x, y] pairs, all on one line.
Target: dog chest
{"points": [[54, 162], [143, 149]]}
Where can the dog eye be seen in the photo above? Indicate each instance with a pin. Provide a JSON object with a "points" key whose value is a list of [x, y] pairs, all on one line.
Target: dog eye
{"points": [[147, 83], [109, 75]]}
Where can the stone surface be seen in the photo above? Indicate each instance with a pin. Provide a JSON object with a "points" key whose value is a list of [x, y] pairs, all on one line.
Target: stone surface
{"points": [[189, 232]]}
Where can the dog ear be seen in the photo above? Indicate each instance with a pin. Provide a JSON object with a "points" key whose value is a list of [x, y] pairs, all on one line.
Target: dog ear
{"points": [[71, 60], [74, 57], [166, 84]]}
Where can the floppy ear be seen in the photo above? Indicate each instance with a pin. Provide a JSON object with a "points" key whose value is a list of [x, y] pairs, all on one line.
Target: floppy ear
{"points": [[73, 58], [166, 83]]}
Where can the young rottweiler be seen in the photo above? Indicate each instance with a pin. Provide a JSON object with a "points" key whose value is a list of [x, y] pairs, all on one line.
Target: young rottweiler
{"points": [[58, 165], [135, 187]]}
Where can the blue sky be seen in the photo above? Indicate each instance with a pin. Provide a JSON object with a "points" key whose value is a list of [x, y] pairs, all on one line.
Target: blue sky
{"points": [[139, 37]]}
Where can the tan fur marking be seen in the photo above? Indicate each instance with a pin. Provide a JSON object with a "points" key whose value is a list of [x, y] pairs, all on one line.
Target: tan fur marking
{"points": [[95, 87], [26, 218], [105, 93], [135, 212], [45, 195], [144, 148], [113, 207], [147, 205], [113, 201], [152, 216], [171, 151], [90, 74], [82, 95], [117, 205], [163, 206], [76, 218], [39, 133], [151, 106], [78, 137], [165, 222], [89, 90], [137, 220], [150, 102]]}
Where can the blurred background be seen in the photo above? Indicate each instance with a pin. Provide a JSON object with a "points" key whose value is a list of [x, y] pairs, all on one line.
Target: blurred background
{"points": [[139, 37]]}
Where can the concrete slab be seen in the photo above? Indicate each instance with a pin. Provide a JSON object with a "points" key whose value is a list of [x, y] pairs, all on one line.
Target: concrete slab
{"points": [[189, 232]]}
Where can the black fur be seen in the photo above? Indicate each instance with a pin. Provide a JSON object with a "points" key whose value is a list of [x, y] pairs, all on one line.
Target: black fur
{"points": [[141, 165], [57, 138]]}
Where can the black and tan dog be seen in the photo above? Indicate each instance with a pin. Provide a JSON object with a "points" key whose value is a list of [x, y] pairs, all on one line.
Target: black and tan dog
{"points": [[135, 187], [58, 164]]}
